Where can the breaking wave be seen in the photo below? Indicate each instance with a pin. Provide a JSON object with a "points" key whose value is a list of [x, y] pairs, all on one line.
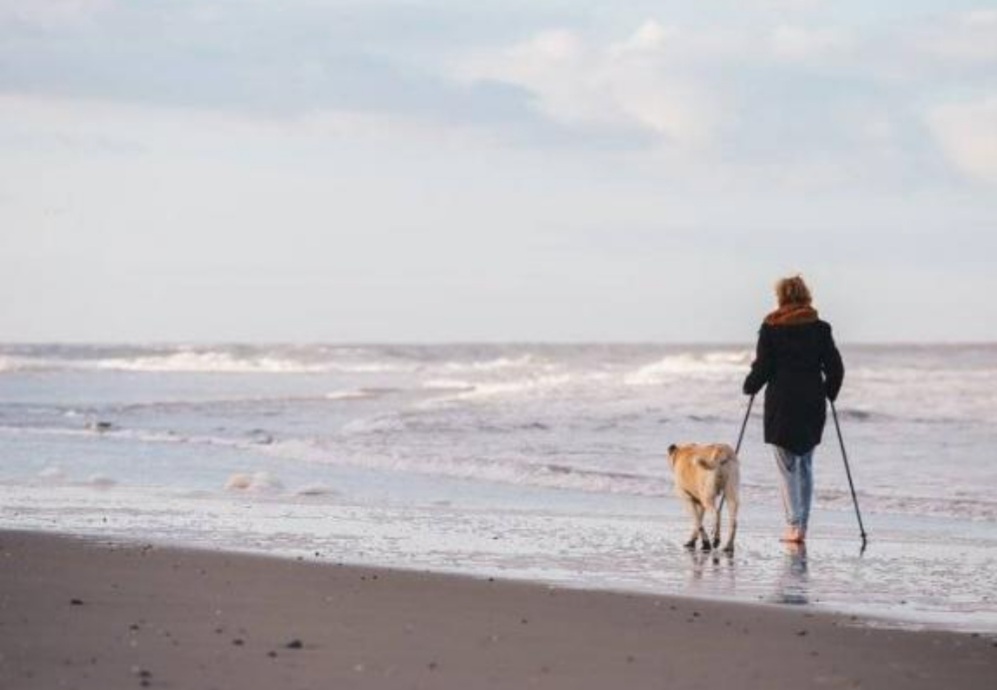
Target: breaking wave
{"points": [[718, 364], [222, 360], [573, 417]]}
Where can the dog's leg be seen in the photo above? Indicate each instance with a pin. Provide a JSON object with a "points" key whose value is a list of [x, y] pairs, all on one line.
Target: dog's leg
{"points": [[702, 527], [732, 505], [695, 512], [716, 525], [710, 509]]}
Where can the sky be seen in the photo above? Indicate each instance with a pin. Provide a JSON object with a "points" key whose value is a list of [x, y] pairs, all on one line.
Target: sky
{"points": [[436, 170]]}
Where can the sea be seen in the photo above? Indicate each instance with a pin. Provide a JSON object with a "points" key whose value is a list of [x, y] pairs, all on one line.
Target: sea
{"points": [[540, 462]]}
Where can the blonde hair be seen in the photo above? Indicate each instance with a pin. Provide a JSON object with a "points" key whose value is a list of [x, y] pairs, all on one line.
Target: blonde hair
{"points": [[792, 290]]}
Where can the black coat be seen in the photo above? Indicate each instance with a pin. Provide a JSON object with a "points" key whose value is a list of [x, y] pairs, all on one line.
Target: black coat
{"points": [[802, 367]]}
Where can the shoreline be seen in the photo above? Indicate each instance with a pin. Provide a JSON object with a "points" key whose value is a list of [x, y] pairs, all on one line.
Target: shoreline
{"points": [[904, 579], [87, 613], [787, 602]]}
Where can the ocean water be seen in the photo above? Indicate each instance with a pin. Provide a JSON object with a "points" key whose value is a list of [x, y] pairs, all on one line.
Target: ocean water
{"points": [[542, 462]]}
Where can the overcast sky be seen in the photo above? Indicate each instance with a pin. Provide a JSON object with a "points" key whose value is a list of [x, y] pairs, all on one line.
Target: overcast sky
{"points": [[500, 170]]}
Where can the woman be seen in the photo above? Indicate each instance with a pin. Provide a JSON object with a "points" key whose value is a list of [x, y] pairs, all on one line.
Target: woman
{"points": [[797, 358]]}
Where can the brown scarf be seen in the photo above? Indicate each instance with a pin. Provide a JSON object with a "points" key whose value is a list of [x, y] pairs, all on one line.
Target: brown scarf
{"points": [[791, 315]]}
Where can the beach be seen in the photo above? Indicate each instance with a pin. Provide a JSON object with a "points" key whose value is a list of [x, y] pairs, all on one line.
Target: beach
{"points": [[234, 516], [531, 462], [345, 345], [86, 613]]}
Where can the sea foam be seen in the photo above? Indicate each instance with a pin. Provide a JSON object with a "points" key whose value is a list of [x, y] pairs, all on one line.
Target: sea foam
{"points": [[256, 482]]}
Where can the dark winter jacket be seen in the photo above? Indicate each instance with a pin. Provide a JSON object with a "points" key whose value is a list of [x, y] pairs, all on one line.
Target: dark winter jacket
{"points": [[797, 358]]}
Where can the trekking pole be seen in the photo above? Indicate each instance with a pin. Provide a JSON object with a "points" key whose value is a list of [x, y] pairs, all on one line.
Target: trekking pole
{"points": [[848, 472], [737, 449]]}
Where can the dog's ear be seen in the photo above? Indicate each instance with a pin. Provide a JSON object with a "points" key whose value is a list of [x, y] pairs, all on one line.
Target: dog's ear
{"points": [[672, 448]]}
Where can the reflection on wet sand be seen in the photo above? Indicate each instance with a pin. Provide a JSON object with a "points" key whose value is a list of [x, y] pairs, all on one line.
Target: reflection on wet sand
{"points": [[717, 566], [715, 573], [793, 586]]}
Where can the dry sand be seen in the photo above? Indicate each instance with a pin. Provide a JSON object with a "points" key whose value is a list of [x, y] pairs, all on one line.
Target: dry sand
{"points": [[77, 614]]}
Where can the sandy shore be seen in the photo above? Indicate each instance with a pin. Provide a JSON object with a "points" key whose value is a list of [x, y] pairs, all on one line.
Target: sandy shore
{"points": [[78, 614]]}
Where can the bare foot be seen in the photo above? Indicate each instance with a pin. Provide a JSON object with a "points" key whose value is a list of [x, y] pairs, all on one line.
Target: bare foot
{"points": [[792, 535]]}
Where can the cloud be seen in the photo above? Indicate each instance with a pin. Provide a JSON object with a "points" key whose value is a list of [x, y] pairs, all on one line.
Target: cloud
{"points": [[785, 5], [814, 101], [967, 135], [241, 57], [969, 37], [801, 43], [50, 13], [782, 106], [639, 83], [33, 124]]}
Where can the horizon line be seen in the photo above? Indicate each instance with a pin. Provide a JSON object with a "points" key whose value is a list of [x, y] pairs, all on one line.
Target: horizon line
{"points": [[467, 343]]}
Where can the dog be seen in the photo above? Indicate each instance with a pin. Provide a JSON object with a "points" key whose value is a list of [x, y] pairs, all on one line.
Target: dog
{"points": [[702, 474]]}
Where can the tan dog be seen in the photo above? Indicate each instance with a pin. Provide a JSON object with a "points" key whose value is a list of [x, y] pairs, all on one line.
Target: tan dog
{"points": [[702, 474]]}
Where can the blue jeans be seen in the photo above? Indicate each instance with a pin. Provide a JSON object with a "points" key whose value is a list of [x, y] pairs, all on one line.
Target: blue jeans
{"points": [[797, 485]]}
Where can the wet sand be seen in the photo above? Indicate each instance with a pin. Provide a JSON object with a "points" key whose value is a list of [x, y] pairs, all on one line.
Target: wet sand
{"points": [[85, 614]]}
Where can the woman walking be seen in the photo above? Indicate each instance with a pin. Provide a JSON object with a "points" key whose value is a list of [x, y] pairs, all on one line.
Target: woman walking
{"points": [[797, 358]]}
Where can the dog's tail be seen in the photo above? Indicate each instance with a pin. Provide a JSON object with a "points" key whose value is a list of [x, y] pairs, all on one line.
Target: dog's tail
{"points": [[718, 456]]}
